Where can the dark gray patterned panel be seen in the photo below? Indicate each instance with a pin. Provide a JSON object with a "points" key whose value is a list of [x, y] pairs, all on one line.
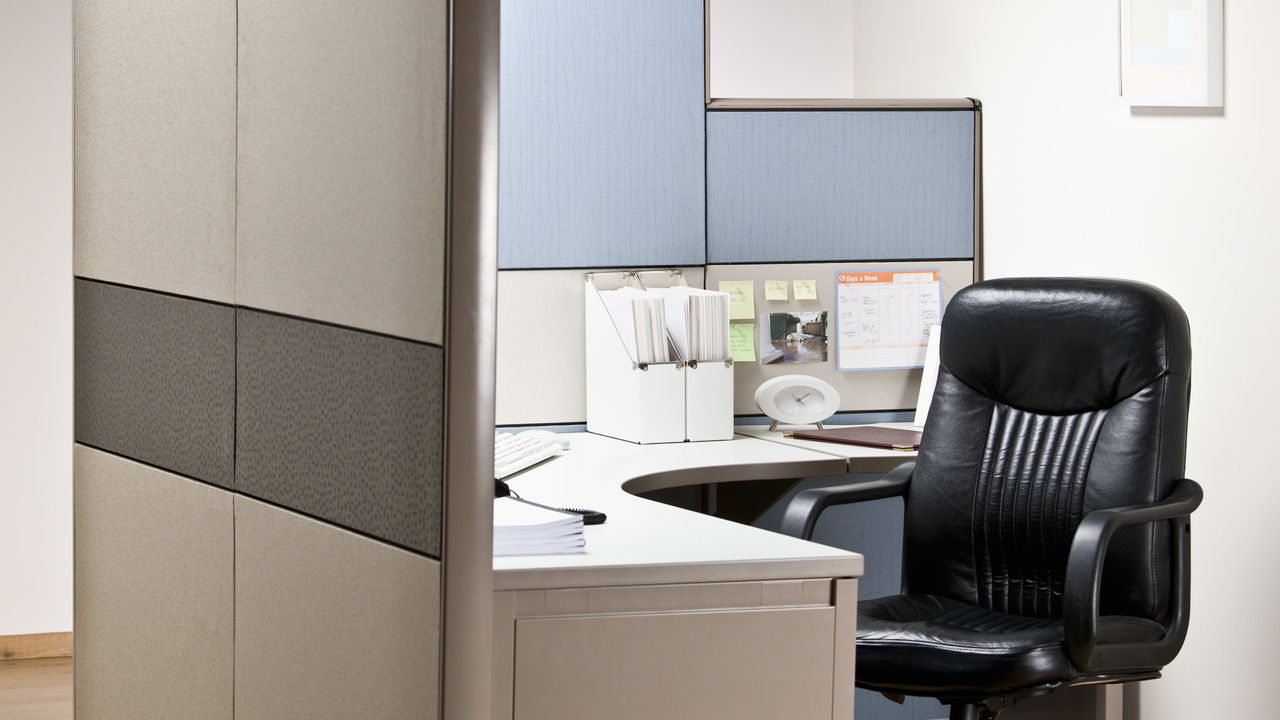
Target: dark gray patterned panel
{"points": [[342, 425], [155, 379]]}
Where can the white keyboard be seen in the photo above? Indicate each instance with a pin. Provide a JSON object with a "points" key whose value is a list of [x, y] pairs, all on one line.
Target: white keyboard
{"points": [[515, 452]]}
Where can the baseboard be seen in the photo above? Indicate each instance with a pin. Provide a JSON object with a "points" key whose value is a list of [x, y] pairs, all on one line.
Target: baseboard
{"points": [[29, 647]]}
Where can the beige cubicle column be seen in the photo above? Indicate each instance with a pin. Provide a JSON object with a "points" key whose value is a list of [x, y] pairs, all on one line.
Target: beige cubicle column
{"points": [[264, 229], [471, 313]]}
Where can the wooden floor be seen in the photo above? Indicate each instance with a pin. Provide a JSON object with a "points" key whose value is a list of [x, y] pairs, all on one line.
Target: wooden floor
{"points": [[36, 689]]}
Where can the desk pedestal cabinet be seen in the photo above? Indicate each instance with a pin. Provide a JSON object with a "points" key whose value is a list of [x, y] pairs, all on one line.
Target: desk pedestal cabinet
{"points": [[729, 650], [670, 613]]}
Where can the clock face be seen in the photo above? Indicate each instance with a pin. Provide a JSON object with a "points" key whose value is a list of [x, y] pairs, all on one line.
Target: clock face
{"points": [[797, 399]]}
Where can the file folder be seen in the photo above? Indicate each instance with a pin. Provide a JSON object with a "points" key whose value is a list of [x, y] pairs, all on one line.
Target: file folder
{"points": [[632, 399]]}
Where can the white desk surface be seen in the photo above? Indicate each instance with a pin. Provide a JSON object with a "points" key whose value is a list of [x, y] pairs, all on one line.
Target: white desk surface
{"points": [[645, 542], [859, 459]]}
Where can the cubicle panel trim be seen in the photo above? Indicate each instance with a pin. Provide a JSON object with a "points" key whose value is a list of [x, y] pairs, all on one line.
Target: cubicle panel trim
{"points": [[668, 574], [471, 297], [876, 260], [706, 51], [722, 104], [681, 597], [844, 417], [978, 223]]}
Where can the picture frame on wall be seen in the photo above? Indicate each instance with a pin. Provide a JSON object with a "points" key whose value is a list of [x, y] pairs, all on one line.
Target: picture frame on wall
{"points": [[1170, 52]]}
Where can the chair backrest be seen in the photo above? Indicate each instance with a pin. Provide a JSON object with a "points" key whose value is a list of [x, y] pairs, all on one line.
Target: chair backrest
{"points": [[1055, 397]]}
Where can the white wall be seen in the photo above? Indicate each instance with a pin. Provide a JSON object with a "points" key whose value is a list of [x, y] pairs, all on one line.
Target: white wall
{"points": [[35, 316], [1077, 184], [793, 49]]}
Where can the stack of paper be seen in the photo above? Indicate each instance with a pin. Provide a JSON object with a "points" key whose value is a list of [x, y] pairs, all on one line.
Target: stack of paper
{"points": [[640, 319], [522, 528], [698, 321]]}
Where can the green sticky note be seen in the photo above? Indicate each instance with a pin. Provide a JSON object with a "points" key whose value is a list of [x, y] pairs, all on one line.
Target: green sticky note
{"points": [[775, 289], [742, 298], [742, 342], [806, 289]]}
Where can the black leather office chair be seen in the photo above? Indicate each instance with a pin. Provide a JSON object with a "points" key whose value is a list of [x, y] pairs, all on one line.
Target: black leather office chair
{"points": [[1047, 529]]}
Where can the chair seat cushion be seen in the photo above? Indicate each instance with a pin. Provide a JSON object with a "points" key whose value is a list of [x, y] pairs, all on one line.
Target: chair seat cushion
{"points": [[936, 646]]}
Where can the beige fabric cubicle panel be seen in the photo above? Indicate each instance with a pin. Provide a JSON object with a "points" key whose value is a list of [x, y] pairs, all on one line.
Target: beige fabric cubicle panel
{"points": [[155, 133], [540, 340], [860, 390], [330, 624], [342, 153], [342, 112], [541, 353], [154, 578]]}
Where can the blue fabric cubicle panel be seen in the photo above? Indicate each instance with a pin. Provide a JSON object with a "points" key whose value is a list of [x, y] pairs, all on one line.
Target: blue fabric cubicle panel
{"points": [[840, 185], [602, 134]]}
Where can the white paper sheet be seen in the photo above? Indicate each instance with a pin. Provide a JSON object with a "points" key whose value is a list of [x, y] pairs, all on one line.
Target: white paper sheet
{"points": [[929, 378], [884, 317], [521, 528]]}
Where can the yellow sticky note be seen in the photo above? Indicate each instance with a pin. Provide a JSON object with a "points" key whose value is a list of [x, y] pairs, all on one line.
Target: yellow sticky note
{"points": [[742, 298], [806, 289], [742, 342], [775, 289]]}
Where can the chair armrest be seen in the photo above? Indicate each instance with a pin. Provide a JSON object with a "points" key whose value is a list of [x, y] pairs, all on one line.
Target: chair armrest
{"points": [[1083, 583], [801, 514]]}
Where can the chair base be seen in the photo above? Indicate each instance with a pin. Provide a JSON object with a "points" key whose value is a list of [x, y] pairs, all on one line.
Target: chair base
{"points": [[979, 710], [989, 708], [969, 711]]}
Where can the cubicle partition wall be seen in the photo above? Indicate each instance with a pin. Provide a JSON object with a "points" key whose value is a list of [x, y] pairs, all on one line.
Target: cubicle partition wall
{"points": [[614, 158], [285, 258]]}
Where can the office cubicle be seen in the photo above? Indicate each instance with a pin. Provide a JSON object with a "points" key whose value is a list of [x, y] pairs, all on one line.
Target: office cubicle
{"points": [[614, 157], [285, 270], [284, 258]]}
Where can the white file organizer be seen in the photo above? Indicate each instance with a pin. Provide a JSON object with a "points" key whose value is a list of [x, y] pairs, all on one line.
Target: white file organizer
{"points": [[649, 402]]}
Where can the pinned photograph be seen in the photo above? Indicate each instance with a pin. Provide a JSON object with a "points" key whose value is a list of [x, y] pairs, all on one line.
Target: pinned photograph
{"points": [[794, 337]]}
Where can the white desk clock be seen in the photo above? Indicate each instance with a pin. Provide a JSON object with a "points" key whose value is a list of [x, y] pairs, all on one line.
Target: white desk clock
{"points": [[797, 400]]}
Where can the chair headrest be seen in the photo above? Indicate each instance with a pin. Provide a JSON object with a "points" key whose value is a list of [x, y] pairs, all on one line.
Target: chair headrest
{"points": [[1063, 345]]}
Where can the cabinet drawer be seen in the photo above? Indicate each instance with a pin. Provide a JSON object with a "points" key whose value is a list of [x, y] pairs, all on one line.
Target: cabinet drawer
{"points": [[766, 663]]}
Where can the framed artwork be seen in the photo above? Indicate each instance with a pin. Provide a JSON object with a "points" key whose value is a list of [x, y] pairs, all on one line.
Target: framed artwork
{"points": [[1171, 52]]}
